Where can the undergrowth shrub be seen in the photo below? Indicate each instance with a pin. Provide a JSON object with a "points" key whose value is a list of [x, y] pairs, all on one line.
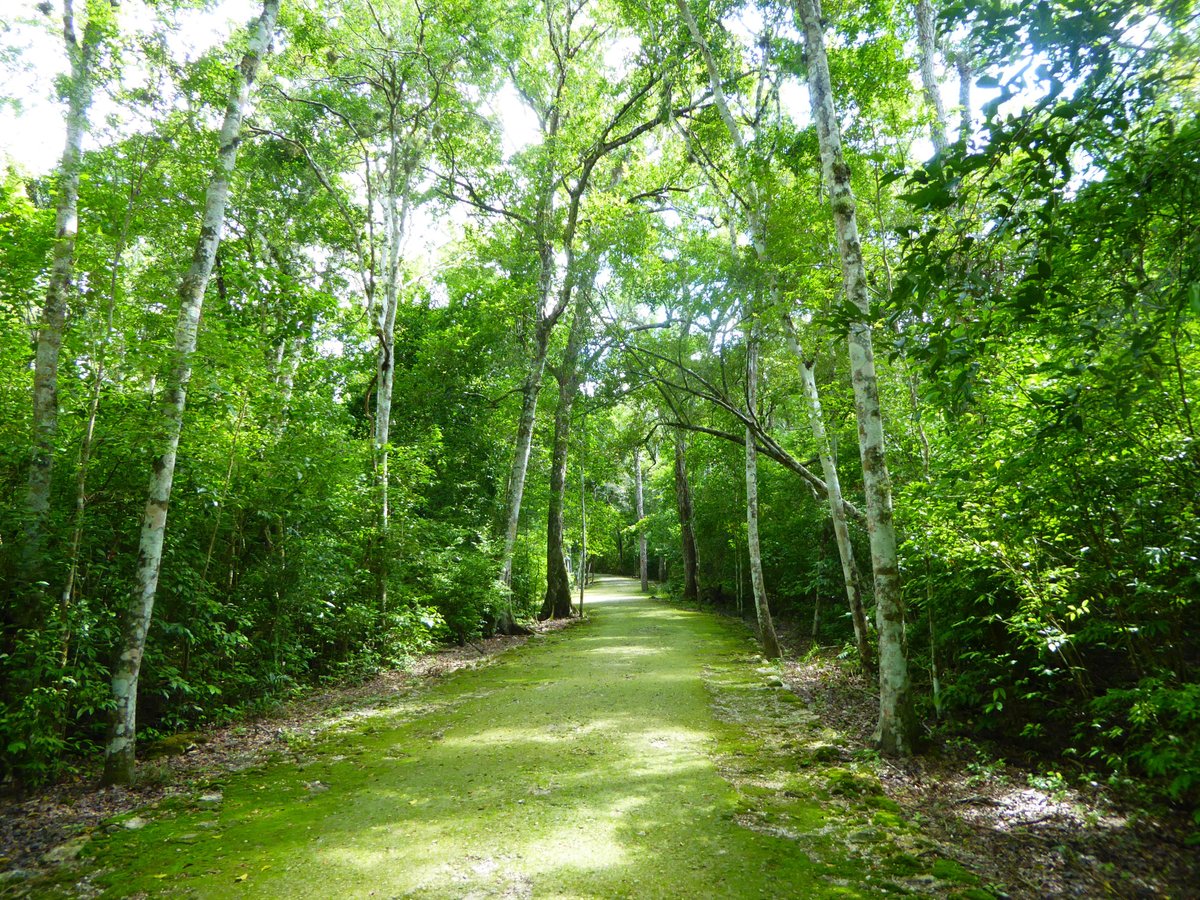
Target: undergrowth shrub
{"points": [[1151, 729]]}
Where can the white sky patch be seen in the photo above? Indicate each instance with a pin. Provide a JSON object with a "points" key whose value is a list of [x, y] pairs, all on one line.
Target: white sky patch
{"points": [[793, 99], [747, 24], [621, 55], [518, 124], [33, 130]]}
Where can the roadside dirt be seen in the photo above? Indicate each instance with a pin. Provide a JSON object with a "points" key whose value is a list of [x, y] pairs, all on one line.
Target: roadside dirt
{"points": [[1036, 835]]}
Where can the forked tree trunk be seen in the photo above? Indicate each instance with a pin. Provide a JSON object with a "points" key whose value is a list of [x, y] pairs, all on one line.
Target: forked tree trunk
{"points": [[548, 312], [119, 750], [640, 509], [897, 726], [683, 502], [79, 89], [766, 627]]}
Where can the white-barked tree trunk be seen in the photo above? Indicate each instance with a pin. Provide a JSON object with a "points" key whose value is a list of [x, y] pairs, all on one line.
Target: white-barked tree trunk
{"points": [[119, 750], [896, 729], [81, 54], [762, 609]]}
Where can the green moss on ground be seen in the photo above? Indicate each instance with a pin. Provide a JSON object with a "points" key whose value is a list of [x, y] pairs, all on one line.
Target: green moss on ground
{"points": [[595, 763]]}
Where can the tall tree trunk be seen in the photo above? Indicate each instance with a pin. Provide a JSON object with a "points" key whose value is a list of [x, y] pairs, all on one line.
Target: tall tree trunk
{"points": [[683, 502], [837, 511], [582, 508], [766, 627], [927, 50], [640, 510], [897, 725], [557, 602], [937, 131], [119, 751], [756, 216], [385, 330], [81, 54], [87, 445], [530, 390], [400, 164]]}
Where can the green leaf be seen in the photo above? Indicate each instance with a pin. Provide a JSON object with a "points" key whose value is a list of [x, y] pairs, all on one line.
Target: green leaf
{"points": [[933, 196]]}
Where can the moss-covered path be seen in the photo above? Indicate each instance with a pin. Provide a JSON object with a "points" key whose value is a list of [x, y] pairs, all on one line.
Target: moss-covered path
{"points": [[585, 764]]}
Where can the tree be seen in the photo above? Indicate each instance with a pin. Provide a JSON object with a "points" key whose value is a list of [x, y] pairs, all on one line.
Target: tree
{"points": [[569, 375], [83, 50], [120, 749], [897, 725], [606, 118], [687, 536], [754, 201], [640, 512]]}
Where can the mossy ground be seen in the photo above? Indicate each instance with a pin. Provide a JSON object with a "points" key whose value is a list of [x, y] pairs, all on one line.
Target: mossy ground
{"points": [[641, 755]]}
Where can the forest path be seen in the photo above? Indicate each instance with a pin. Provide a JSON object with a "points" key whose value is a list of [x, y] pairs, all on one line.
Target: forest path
{"points": [[624, 757]]}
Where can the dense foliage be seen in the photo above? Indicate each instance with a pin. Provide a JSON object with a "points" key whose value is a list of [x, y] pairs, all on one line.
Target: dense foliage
{"points": [[560, 174]]}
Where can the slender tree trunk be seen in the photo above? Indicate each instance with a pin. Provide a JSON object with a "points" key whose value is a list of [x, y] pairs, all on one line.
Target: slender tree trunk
{"points": [[385, 325], [229, 465], [582, 509], [119, 751], [640, 510], [937, 132], [89, 432], [755, 212], [81, 54], [683, 501], [516, 479], [816, 620], [289, 367], [766, 627], [400, 165], [897, 725], [739, 581], [837, 512], [965, 71], [927, 49], [81, 502], [507, 623]]}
